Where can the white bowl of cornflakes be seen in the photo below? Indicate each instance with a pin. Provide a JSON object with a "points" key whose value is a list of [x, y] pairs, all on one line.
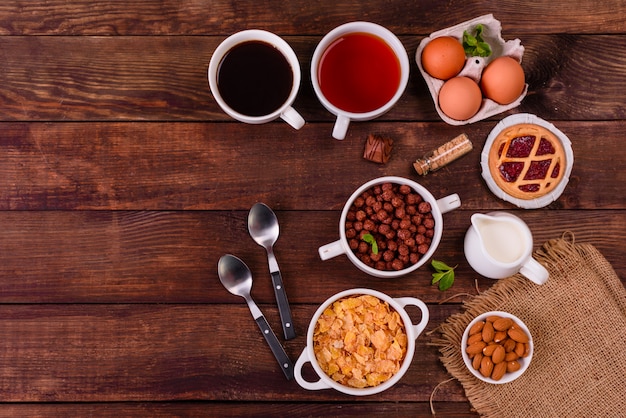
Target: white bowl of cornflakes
{"points": [[361, 342]]}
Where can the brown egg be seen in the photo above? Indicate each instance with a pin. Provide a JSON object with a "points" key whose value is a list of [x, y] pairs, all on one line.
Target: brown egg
{"points": [[460, 98], [443, 57], [503, 80]]}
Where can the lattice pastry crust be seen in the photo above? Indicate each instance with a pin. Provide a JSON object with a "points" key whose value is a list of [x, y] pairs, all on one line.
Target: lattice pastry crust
{"points": [[527, 161]]}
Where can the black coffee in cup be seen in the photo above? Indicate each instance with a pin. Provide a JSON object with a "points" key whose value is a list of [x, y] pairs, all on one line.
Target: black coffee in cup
{"points": [[254, 78]]}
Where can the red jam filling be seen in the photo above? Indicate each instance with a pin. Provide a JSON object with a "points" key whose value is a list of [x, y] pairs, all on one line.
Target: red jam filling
{"points": [[538, 170], [510, 171], [530, 188], [521, 146], [545, 147]]}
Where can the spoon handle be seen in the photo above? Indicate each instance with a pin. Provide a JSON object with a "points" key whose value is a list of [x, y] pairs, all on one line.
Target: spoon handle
{"points": [[283, 360], [283, 305]]}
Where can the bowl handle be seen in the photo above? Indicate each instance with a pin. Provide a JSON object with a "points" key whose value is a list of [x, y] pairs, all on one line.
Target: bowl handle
{"points": [[304, 358], [448, 203], [331, 250], [418, 328]]}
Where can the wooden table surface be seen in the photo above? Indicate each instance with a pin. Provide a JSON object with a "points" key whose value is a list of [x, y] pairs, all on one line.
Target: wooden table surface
{"points": [[122, 183]]}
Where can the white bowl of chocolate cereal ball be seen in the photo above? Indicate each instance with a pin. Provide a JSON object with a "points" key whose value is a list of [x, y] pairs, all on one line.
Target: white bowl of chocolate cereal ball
{"points": [[390, 226], [497, 347]]}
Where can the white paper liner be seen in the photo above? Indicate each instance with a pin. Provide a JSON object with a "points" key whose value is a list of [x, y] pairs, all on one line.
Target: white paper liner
{"points": [[546, 199], [474, 65]]}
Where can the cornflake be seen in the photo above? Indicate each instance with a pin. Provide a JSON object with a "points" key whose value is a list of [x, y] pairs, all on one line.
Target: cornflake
{"points": [[359, 341]]}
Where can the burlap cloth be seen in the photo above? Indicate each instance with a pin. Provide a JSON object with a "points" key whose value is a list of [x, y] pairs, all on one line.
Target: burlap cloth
{"points": [[578, 323]]}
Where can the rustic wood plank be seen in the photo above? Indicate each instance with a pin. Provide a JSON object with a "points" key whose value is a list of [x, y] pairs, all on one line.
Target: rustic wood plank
{"points": [[239, 409], [63, 78], [171, 257], [189, 17], [77, 78], [137, 353], [551, 66], [197, 166]]}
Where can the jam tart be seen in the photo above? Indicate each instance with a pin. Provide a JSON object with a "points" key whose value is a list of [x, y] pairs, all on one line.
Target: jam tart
{"points": [[527, 161]]}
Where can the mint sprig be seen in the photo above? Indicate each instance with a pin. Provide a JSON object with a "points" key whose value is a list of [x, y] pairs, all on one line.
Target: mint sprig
{"points": [[475, 46], [369, 238], [444, 275]]}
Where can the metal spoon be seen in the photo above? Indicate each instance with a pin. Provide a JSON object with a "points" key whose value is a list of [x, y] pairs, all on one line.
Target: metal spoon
{"points": [[237, 279], [264, 230]]}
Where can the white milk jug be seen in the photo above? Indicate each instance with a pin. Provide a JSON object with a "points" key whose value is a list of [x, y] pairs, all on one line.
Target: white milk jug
{"points": [[499, 244]]}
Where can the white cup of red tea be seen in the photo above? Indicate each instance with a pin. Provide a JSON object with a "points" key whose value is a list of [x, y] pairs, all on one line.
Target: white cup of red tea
{"points": [[359, 70], [254, 76]]}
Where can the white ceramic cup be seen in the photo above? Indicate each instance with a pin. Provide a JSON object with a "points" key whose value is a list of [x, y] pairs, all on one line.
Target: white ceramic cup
{"points": [[344, 117], [285, 111], [412, 331], [438, 207], [499, 245]]}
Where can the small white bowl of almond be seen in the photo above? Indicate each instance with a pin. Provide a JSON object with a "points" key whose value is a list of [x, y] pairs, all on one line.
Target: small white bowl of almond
{"points": [[497, 347]]}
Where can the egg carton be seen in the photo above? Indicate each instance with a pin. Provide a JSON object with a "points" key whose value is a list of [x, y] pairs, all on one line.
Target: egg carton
{"points": [[474, 66]]}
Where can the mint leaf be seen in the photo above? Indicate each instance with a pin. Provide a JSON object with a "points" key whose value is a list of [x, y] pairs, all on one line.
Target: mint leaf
{"points": [[483, 49], [443, 276], [437, 277], [447, 280], [440, 266], [479, 31], [475, 45], [469, 40], [369, 238]]}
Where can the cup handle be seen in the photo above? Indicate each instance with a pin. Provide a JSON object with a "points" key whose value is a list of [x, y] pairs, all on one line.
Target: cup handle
{"points": [[304, 358], [292, 117], [534, 271], [418, 328], [331, 250], [341, 127], [448, 203]]}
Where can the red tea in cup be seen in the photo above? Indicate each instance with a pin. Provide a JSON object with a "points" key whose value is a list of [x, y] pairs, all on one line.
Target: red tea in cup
{"points": [[359, 72]]}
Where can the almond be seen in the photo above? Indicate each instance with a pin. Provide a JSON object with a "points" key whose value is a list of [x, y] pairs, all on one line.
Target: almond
{"points": [[526, 350], [475, 348], [476, 328], [511, 356], [503, 324], [500, 336], [488, 332], [476, 361], [474, 338], [486, 366], [492, 318], [489, 349], [517, 334], [498, 371], [513, 366], [520, 349], [509, 345], [498, 354]]}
